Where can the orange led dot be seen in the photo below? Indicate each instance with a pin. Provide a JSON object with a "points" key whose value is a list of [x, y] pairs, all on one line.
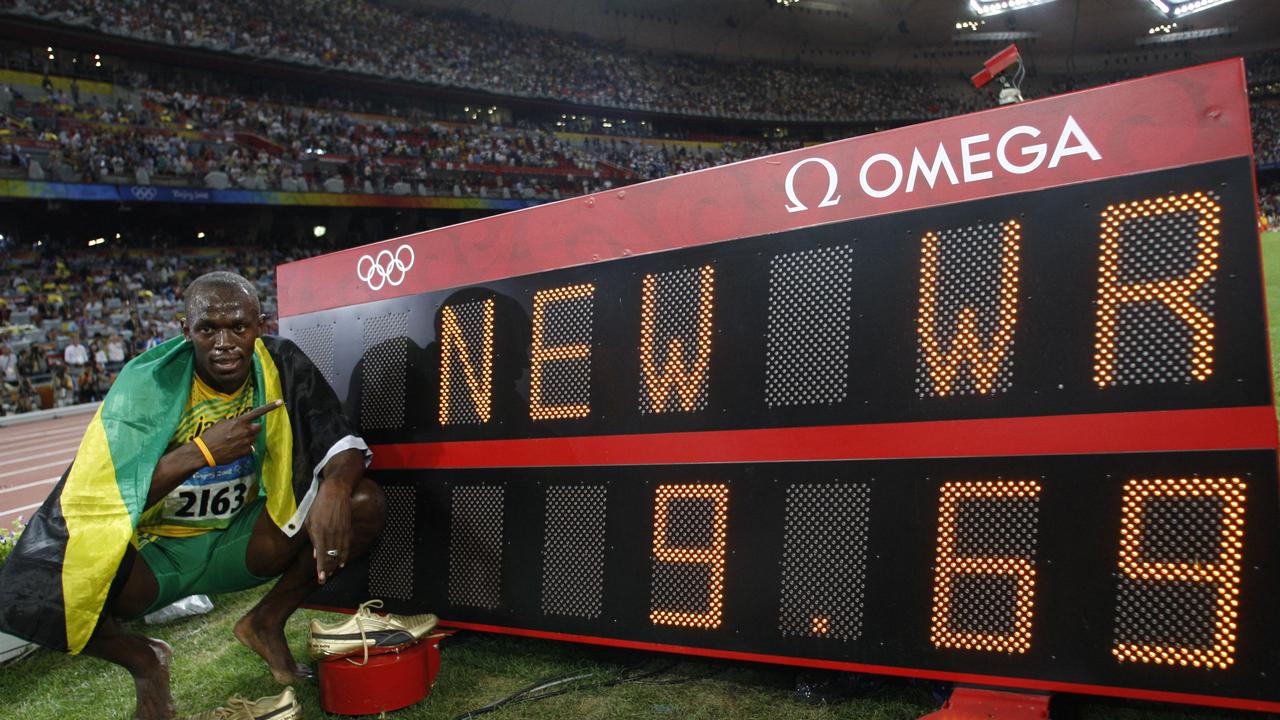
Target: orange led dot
{"points": [[541, 354], [712, 555], [689, 382], [1223, 573], [478, 375], [949, 566], [966, 347], [1176, 294]]}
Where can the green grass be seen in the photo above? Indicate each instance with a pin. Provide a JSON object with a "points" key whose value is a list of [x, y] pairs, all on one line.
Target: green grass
{"points": [[480, 669], [476, 670], [1271, 269]]}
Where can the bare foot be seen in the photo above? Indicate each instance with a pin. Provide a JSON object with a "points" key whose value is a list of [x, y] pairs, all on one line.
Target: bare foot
{"points": [[152, 685], [267, 639]]}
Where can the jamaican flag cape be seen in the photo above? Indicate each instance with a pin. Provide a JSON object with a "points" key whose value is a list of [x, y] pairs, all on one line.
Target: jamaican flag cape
{"points": [[54, 587]]}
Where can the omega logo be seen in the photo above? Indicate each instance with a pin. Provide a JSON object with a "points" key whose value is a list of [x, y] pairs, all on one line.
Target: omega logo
{"points": [[955, 161], [832, 179]]}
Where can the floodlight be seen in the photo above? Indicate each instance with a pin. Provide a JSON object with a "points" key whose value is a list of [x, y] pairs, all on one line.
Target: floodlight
{"points": [[995, 7], [1183, 8]]}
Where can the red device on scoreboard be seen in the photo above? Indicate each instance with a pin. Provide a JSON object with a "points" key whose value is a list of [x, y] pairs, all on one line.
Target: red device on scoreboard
{"points": [[986, 399]]}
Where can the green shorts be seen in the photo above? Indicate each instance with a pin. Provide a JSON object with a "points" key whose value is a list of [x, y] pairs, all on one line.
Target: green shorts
{"points": [[205, 564]]}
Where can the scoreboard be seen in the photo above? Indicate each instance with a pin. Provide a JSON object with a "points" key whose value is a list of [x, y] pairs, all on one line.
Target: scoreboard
{"points": [[986, 399]]}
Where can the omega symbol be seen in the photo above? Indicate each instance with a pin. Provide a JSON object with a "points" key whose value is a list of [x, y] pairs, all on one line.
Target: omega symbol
{"points": [[827, 201], [387, 268]]}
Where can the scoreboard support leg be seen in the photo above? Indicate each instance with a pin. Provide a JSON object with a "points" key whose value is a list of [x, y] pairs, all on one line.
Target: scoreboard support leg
{"points": [[975, 703]]}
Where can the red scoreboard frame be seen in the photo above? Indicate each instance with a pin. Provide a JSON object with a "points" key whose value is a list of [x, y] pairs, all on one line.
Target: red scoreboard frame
{"points": [[986, 399]]}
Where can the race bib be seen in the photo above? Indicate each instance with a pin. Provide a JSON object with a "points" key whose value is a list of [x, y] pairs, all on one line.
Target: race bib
{"points": [[212, 496]]}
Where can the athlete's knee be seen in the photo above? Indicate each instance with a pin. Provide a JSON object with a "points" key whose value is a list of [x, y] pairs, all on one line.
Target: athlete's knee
{"points": [[368, 506]]}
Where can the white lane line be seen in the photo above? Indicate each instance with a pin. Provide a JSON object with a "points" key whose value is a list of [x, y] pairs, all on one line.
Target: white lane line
{"points": [[33, 456], [56, 445], [60, 463], [46, 433], [52, 426], [33, 433], [32, 506], [41, 444], [24, 486]]}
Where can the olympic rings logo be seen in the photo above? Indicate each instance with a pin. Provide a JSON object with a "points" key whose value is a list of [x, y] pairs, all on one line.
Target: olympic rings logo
{"points": [[388, 268]]}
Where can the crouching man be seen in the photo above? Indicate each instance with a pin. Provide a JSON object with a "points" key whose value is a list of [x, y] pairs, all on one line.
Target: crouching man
{"points": [[218, 461]]}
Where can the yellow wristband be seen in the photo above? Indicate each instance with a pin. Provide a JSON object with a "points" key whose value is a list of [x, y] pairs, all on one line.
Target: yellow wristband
{"points": [[204, 450]]}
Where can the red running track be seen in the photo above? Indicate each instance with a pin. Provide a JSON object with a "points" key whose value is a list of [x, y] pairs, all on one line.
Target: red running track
{"points": [[32, 458]]}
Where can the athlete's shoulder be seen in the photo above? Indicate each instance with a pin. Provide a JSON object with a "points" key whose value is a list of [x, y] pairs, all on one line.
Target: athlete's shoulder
{"points": [[286, 353], [280, 346]]}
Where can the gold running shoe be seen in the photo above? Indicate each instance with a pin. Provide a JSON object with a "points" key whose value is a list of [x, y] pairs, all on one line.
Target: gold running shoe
{"points": [[368, 632], [284, 706]]}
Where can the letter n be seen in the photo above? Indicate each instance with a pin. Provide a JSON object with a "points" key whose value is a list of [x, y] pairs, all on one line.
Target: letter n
{"points": [[466, 363]]}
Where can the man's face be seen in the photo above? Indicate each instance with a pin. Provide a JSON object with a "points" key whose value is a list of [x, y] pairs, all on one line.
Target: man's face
{"points": [[222, 326]]}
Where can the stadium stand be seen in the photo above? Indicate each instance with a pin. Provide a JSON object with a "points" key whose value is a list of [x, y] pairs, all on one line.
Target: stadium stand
{"points": [[469, 51], [117, 308], [1266, 133], [221, 142]]}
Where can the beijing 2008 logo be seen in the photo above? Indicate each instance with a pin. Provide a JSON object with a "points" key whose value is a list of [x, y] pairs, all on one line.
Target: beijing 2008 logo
{"points": [[387, 268]]}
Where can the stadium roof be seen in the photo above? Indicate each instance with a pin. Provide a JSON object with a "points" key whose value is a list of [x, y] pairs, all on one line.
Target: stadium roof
{"points": [[1090, 35]]}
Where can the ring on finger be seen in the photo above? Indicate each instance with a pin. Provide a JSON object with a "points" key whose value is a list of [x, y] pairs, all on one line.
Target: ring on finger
{"points": [[331, 553]]}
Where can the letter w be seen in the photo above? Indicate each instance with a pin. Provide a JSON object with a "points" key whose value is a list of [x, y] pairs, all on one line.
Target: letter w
{"points": [[689, 383], [985, 358]]}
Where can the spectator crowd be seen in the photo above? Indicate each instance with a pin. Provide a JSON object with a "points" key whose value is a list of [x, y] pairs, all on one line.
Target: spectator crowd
{"points": [[1266, 133], [230, 141], [1269, 207], [172, 137], [256, 144], [465, 50], [69, 322]]}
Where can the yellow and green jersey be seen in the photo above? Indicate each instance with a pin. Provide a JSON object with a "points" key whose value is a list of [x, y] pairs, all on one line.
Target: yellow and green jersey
{"points": [[210, 498]]}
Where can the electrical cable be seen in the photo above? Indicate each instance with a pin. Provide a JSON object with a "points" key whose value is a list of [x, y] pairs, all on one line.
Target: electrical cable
{"points": [[633, 674], [619, 680], [518, 695], [682, 680]]}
